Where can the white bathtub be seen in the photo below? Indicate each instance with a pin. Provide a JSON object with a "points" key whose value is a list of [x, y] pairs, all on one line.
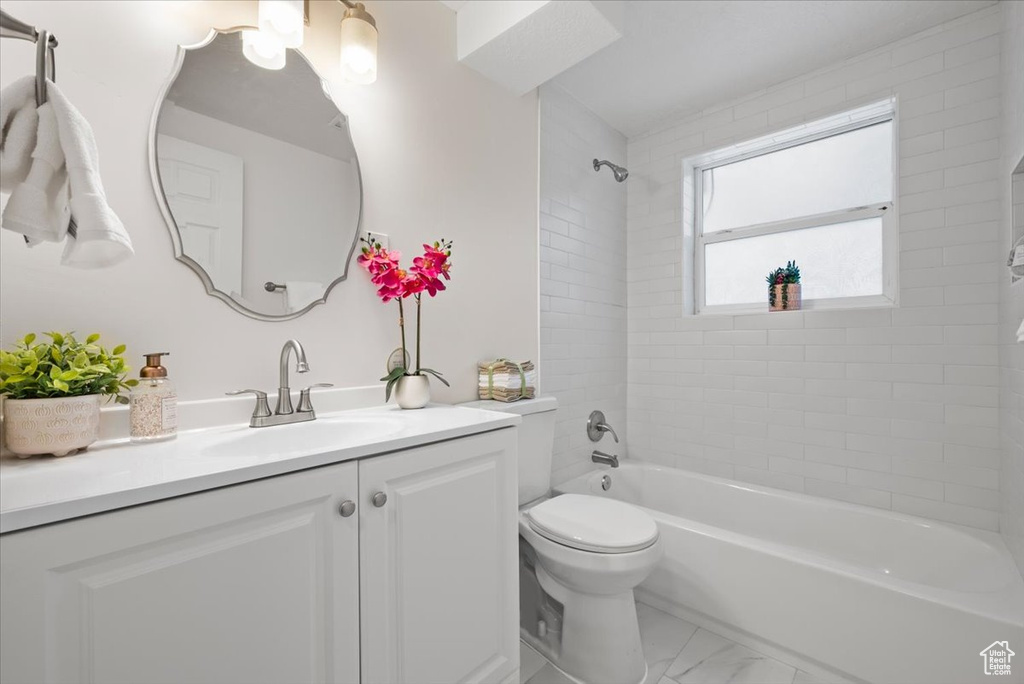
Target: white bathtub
{"points": [[874, 595]]}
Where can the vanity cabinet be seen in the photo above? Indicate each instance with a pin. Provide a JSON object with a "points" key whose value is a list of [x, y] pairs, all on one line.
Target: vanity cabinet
{"points": [[276, 581]]}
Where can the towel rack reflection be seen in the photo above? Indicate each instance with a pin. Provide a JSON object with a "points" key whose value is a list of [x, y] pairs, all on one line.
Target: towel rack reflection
{"points": [[271, 286]]}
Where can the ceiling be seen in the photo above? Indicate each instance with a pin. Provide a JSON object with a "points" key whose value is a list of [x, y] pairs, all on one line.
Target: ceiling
{"points": [[683, 56]]}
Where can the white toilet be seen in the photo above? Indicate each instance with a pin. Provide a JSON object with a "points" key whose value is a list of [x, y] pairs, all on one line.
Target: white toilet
{"points": [[589, 552]]}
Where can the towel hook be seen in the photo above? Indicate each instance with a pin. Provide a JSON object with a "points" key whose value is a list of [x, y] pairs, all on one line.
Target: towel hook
{"points": [[46, 65]]}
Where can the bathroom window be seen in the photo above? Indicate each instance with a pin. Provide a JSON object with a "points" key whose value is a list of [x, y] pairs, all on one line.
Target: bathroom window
{"points": [[820, 194]]}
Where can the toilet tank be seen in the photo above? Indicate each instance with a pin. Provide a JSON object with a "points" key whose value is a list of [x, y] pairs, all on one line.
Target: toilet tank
{"points": [[536, 441]]}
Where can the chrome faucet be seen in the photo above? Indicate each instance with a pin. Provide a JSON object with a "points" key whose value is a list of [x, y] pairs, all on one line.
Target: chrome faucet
{"points": [[607, 459], [284, 392], [284, 413]]}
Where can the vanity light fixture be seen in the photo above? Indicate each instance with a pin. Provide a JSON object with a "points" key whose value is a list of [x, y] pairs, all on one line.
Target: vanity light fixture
{"points": [[284, 20], [281, 26], [263, 49], [358, 44]]}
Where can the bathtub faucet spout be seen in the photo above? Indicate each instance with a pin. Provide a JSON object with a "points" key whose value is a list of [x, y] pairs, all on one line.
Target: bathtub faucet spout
{"points": [[607, 459]]}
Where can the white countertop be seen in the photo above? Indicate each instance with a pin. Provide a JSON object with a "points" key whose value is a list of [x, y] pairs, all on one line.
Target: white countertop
{"points": [[115, 474]]}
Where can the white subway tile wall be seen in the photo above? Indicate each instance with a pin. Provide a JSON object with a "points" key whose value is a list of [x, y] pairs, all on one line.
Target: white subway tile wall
{"points": [[893, 408], [1011, 312], [582, 277]]}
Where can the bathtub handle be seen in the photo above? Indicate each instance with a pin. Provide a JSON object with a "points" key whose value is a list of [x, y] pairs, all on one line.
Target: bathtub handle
{"points": [[597, 426]]}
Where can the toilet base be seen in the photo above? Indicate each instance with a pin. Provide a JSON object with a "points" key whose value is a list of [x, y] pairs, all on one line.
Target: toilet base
{"points": [[600, 635]]}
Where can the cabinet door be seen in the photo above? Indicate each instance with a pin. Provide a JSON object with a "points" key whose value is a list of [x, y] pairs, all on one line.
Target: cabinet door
{"points": [[256, 582], [438, 566]]}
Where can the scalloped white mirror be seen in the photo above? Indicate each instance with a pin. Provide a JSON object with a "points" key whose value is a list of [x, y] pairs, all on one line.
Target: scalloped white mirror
{"points": [[257, 177]]}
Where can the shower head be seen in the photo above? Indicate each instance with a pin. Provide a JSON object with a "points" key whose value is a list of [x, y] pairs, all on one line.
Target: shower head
{"points": [[619, 172]]}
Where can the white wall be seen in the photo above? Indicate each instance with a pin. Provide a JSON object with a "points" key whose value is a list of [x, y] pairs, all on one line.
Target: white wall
{"points": [[893, 408], [300, 207], [583, 277], [1011, 311], [444, 153]]}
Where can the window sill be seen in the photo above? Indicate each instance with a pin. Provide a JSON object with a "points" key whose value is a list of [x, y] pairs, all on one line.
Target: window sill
{"points": [[843, 304]]}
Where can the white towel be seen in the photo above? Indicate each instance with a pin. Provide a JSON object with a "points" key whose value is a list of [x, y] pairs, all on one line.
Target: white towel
{"points": [[38, 205], [102, 239], [18, 122], [507, 380], [300, 293], [63, 181]]}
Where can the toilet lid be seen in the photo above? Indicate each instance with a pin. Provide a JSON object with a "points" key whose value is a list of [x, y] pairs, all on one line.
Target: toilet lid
{"points": [[593, 523]]}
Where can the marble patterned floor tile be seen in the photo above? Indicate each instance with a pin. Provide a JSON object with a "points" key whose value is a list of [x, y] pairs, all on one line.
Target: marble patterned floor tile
{"points": [[710, 659], [808, 678], [549, 674], [662, 637], [530, 662]]}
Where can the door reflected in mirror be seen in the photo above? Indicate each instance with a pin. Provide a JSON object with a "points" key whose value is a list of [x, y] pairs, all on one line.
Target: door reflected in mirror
{"points": [[257, 177]]}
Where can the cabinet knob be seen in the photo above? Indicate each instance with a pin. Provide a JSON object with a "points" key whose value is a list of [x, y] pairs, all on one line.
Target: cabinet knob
{"points": [[347, 508], [379, 499]]}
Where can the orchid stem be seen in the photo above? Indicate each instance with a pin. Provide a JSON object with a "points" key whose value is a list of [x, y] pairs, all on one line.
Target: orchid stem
{"points": [[401, 325], [419, 299]]}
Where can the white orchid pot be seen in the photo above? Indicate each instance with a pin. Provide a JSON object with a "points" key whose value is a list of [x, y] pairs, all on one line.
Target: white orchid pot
{"points": [[58, 426], [412, 391]]}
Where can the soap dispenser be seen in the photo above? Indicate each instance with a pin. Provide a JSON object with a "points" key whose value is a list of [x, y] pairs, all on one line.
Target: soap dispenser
{"points": [[154, 403]]}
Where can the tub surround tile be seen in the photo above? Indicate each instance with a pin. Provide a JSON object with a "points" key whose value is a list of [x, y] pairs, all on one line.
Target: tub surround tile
{"points": [[582, 278], [710, 659], [932, 363]]}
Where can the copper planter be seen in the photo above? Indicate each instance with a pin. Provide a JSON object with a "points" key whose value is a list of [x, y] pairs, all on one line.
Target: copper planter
{"points": [[785, 297]]}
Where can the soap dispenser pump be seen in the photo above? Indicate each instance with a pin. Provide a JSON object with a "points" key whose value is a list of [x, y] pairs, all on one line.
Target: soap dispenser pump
{"points": [[154, 403]]}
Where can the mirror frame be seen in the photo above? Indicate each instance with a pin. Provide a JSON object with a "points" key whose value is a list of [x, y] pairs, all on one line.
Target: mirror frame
{"points": [[165, 210]]}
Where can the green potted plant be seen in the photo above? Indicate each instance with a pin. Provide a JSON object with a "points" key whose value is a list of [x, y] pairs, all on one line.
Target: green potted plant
{"points": [[53, 391], [784, 288]]}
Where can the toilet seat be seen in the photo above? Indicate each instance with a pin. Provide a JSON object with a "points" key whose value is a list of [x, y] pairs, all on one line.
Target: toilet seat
{"points": [[593, 523]]}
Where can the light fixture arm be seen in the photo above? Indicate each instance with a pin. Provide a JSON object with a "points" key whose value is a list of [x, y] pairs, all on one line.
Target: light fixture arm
{"points": [[358, 10]]}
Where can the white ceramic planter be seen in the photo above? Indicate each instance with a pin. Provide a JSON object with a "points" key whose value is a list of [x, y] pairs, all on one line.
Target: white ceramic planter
{"points": [[412, 391], [58, 426]]}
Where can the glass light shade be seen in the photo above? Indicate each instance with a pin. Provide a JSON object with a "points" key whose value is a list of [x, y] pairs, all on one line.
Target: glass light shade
{"points": [[358, 50], [283, 19], [263, 49]]}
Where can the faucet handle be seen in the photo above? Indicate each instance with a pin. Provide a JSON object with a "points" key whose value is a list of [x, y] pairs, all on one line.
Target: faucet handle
{"points": [[305, 404], [262, 409], [597, 426]]}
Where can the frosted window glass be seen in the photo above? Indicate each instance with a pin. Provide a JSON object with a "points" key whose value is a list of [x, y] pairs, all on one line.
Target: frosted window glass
{"points": [[841, 172], [839, 260]]}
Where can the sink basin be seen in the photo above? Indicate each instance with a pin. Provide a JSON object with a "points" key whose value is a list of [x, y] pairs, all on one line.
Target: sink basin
{"points": [[298, 439]]}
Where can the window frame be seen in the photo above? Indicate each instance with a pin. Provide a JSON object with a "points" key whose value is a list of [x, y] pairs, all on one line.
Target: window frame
{"points": [[692, 211]]}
